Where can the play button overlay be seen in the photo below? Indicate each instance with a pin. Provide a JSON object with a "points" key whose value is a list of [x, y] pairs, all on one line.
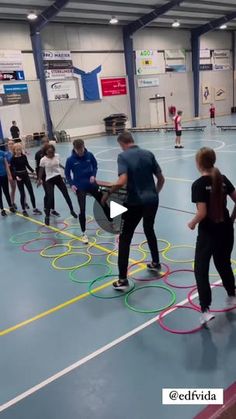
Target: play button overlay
{"points": [[115, 211]]}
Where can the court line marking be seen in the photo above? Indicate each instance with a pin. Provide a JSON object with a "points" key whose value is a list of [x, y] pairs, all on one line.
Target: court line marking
{"points": [[67, 303], [91, 356]]}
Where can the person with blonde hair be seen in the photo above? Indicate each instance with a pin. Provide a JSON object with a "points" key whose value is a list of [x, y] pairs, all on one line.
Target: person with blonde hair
{"points": [[215, 229], [19, 165]]}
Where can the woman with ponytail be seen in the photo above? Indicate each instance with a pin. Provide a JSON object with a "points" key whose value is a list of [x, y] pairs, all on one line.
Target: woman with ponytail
{"points": [[215, 230]]}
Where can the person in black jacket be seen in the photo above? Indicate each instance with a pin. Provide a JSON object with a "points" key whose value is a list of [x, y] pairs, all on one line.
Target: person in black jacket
{"points": [[19, 165], [38, 156], [15, 132]]}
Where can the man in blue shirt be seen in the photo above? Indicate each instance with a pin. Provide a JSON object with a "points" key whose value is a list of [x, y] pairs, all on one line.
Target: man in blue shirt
{"points": [[83, 165], [136, 170], [5, 175]]}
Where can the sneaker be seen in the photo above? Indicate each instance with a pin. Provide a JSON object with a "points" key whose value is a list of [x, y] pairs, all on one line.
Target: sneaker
{"points": [[154, 267], [25, 213], [121, 284], [74, 214], [3, 213], [84, 239], [12, 209], [231, 301], [36, 211], [55, 213], [181, 146], [47, 221], [206, 317], [27, 206], [176, 146], [14, 206]]}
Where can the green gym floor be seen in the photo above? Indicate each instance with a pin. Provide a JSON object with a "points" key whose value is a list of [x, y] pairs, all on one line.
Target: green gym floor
{"points": [[70, 351]]}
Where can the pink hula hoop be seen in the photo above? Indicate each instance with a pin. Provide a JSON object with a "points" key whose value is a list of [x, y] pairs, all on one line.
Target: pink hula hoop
{"points": [[222, 310], [26, 250], [177, 331], [178, 286], [151, 278]]}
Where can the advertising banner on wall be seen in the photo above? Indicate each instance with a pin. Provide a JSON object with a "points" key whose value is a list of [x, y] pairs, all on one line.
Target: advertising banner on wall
{"points": [[220, 93], [58, 64], [13, 94], [205, 54], [175, 54], [175, 61], [148, 62], [11, 65], [61, 90], [148, 82], [206, 67], [114, 86], [222, 60], [207, 95]]}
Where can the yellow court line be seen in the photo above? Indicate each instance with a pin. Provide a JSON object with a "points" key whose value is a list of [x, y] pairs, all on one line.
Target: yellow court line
{"points": [[71, 301]]}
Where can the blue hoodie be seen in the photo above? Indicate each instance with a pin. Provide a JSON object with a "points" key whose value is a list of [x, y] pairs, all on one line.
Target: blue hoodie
{"points": [[82, 168]]}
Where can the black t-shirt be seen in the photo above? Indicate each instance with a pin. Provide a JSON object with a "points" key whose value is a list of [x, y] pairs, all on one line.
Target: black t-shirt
{"points": [[38, 156], [201, 192], [20, 165], [15, 132]]}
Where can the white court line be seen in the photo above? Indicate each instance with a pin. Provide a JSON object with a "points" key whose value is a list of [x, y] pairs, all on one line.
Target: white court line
{"points": [[91, 356]]}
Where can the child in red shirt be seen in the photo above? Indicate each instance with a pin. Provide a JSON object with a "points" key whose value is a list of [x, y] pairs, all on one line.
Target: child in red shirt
{"points": [[178, 129], [212, 114]]}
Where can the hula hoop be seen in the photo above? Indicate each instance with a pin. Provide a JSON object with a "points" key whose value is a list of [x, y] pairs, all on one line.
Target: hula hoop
{"points": [[166, 280], [25, 249], [178, 260], [104, 236], [82, 245], [104, 252], [46, 230], [74, 279], [119, 293], [233, 261], [154, 278], [223, 310], [177, 331], [74, 227], [14, 240], [45, 255], [168, 245], [115, 253], [156, 310], [70, 268]]}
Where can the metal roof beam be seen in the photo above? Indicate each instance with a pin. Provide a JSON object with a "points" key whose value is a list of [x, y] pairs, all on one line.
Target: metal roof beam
{"points": [[47, 15], [214, 24]]}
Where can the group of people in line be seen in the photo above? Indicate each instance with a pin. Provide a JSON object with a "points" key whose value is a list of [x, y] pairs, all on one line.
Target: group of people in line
{"points": [[137, 169]]}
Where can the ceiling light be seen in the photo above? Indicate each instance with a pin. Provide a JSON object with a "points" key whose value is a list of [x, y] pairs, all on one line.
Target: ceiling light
{"points": [[224, 26], [32, 16], [113, 20], [175, 24]]}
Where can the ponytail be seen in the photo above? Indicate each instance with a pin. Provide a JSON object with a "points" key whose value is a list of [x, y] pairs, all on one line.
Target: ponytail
{"points": [[216, 210]]}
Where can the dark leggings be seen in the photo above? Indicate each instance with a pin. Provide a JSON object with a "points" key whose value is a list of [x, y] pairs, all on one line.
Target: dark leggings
{"points": [[49, 187], [131, 219], [45, 197], [4, 187], [25, 181], [219, 245], [81, 196]]}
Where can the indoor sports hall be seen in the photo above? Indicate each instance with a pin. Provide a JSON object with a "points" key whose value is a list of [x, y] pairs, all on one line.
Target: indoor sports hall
{"points": [[72, 346]]}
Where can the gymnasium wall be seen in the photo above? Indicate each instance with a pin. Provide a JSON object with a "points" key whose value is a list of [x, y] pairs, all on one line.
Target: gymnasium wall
{"points": [[98, 45]]}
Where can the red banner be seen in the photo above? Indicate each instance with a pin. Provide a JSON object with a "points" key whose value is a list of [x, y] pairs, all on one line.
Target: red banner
{"points": [[113, 87]]}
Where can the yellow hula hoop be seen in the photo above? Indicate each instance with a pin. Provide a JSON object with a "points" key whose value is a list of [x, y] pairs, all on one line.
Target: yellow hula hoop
{"points": [[168, 245], [70, 268], [233, 261], [44, 255], [178, 260], [115, 253], [82, 245]]}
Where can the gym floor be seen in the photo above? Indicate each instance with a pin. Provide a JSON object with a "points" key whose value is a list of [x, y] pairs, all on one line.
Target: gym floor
{"points": [[67, 353]]}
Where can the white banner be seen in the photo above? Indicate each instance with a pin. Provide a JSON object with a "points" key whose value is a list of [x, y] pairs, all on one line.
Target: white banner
{"points": [[205, 54], [59, 74], [148, 82], [61, 90], [148, 62], [221, 53], [175, 54], [221, 67], [57, 55]]}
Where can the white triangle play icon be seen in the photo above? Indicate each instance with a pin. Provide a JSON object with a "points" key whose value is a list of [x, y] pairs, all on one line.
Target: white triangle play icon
{"points": [[116, 209]]}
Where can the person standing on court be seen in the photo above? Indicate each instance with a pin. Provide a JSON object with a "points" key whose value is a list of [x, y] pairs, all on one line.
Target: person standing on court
{"points": [[136, 170], [15, 132], [83, 166], [215, 230], [178, 129]]}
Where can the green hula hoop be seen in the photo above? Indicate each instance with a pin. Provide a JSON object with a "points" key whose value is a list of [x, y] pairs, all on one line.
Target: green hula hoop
{"points": [[115, 253], [74, 279], [36, 235], [168, 245], [157, 310], [70, 268], [45, 255], [119, 293], [178, 260]]}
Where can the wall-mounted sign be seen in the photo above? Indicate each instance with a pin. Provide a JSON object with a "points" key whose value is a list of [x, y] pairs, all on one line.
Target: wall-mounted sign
{"points": [[148, 62], [13, 94], [148, 82], [11, 65], [205, 54], [206, 67], [114, 86], [61, 90], [58, 64]]}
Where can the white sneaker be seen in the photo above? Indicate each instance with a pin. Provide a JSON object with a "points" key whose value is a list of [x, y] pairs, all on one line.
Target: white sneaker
{"points": [[231, 302], [206, 317], [84, 239]]}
